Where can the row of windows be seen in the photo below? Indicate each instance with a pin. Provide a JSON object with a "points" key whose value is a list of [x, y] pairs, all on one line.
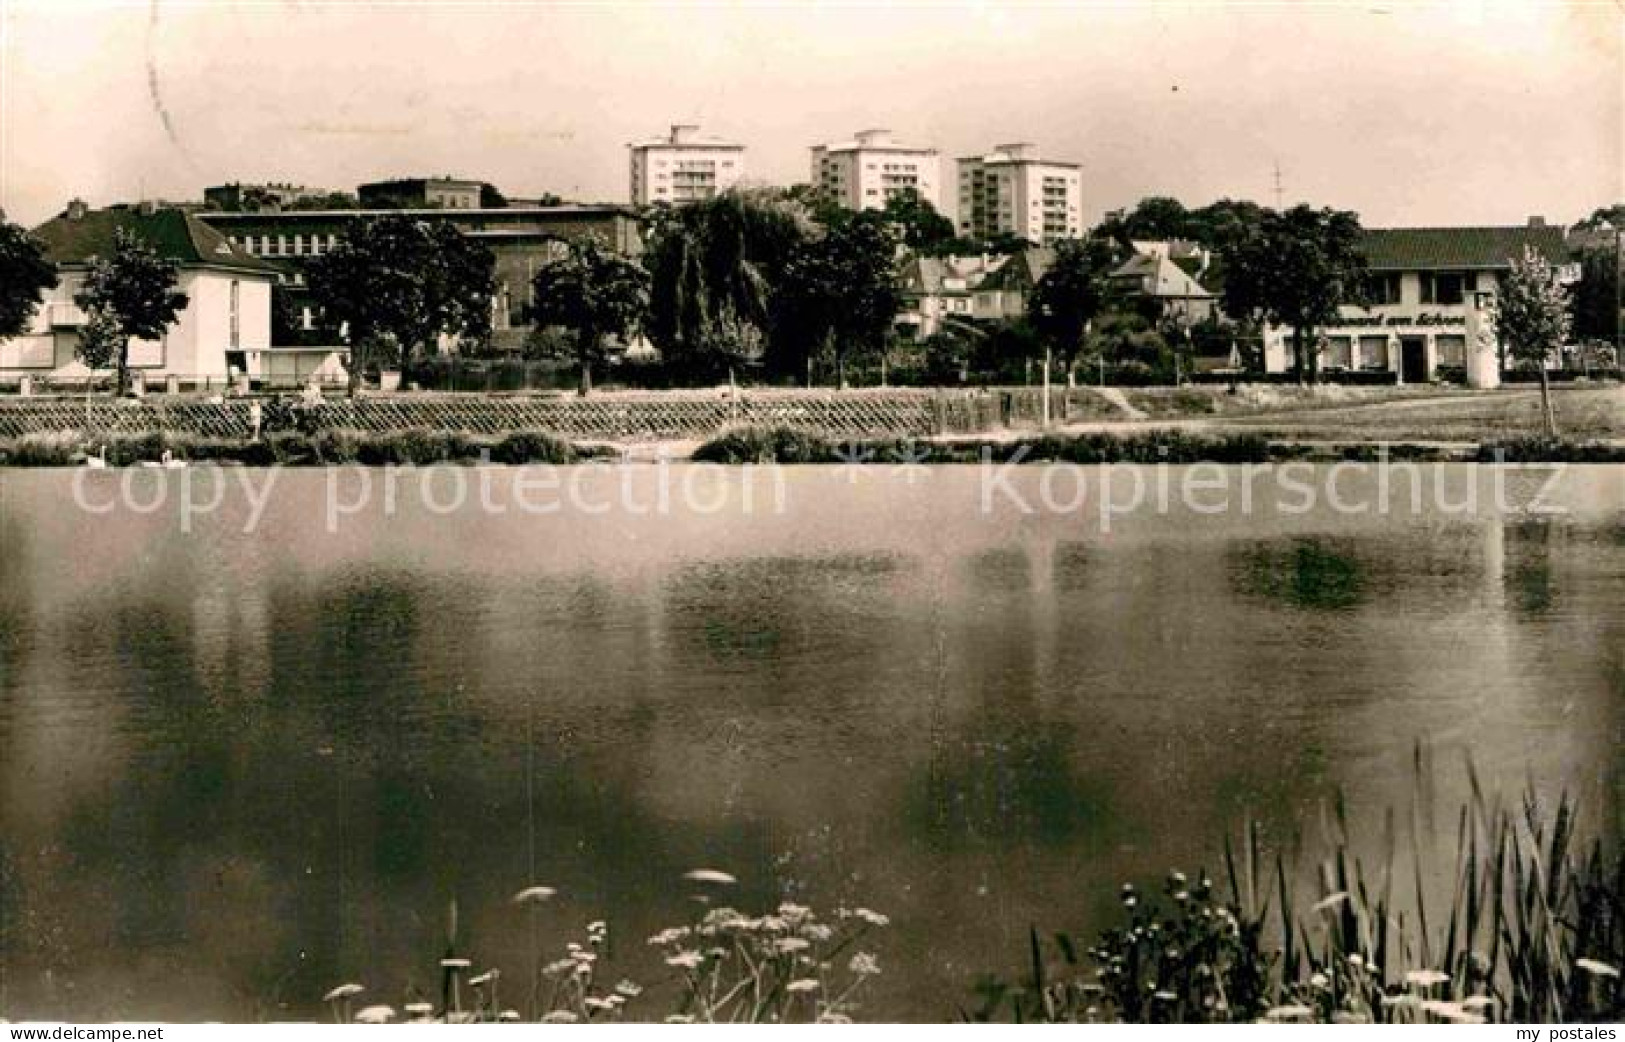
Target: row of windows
{"points": [[285, 246], [1437, 287], [680, 164], [1371, 352]]}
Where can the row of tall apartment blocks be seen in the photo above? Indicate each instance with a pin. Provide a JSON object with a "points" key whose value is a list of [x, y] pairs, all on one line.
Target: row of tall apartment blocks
{"points": [[1010, 190]]}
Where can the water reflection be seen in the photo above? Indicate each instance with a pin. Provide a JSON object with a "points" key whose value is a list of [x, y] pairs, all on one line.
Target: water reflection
{"points": [[231, 776], [1316, 574]]}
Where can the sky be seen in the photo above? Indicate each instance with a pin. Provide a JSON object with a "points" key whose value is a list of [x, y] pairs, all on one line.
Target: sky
{"points": [[1409, 114]]}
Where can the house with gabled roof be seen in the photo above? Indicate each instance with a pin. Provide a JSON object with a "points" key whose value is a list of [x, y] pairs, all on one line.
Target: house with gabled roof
{"points": [[1167, 274], [1426, 316], [228, 297], [981, 287]]}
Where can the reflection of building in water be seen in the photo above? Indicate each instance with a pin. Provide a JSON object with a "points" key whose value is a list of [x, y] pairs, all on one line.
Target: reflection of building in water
{"points": [[1429, 290]]}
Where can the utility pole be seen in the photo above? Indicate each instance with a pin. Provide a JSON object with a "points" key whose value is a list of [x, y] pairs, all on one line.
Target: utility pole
{"points": [[1278, 197]]}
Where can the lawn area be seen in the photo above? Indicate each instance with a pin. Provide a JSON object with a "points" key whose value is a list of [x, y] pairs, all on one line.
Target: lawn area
{"points": [[1218, 401], [1582, 413]]}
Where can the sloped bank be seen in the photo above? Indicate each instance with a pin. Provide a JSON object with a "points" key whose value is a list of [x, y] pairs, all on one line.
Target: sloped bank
{"points": [[783, 445]]}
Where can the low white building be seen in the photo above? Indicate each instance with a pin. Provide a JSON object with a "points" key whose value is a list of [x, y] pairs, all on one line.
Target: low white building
{"points": [[1011, 191], [683, 167], [227, 316], [861, 174], [1428, 314]]}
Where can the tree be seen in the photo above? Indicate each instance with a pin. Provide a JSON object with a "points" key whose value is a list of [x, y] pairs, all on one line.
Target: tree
{"points": [[99, 341], [923, 229], [129, 294], [1294, 269], [594, 293], [1007, 242], [1599, 310], [400, 284], [325, 201], [1532, 319], [1603, 218], [1155, 217], [713, 266], [1005, 353], [839, 295], [25, 275], [947, 355], [1068, 296]]}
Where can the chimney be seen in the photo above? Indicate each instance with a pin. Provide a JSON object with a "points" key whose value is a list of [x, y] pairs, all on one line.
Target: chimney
{"points": [[77, 208], [147, 208], [1537, 222]]}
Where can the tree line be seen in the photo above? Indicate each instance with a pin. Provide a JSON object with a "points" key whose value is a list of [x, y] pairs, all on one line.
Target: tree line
{"points": [[781, 285]]}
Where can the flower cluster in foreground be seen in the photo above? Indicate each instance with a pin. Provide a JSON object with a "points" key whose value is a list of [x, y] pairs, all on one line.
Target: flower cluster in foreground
{"points": [[784, 966]]}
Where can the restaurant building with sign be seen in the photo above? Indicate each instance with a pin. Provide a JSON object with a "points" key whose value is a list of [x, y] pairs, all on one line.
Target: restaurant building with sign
{"points": [[1427, 315]]}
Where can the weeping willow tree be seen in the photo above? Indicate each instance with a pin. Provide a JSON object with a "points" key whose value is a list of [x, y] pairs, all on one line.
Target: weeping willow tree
{"points": [[713, 266]]}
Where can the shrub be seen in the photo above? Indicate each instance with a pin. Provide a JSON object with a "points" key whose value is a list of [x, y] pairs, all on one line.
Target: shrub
{"points": [[532, 447], [416, 447], [123, 450], [49, 449], [767, 445], [1534, 932], [335, 446], [1549, 450]]}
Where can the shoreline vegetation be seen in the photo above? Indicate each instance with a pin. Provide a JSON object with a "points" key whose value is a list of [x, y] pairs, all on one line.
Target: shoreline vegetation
{"points": [[778, 445], [1335, 931], [1199, 423], [1306, 930]]}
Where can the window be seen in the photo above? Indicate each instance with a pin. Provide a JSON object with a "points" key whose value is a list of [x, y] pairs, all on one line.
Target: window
{"points": [[1452, 350], [1339, 352], [1442, 287], [1373, 352], [1384, 288]]}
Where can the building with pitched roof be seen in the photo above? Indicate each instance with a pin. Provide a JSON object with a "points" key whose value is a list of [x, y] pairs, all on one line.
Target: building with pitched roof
{"points": [[1427, 316], [683, 167], [1167, 274], [942, 291], [863, 173], [1011, 191], [228, 297]]}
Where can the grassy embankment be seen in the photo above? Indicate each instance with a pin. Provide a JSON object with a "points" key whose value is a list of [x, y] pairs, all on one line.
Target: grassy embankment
{"points": [[1218, 445], [1253, 423], [1589, 414]]}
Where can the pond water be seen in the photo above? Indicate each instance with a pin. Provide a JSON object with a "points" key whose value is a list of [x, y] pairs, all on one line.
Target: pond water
{"points": [[244, 758]]}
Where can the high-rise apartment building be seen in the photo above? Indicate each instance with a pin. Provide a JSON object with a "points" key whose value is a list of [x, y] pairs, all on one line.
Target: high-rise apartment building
{"points": [[1011, 190], [683, 167], [863, 173]]}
